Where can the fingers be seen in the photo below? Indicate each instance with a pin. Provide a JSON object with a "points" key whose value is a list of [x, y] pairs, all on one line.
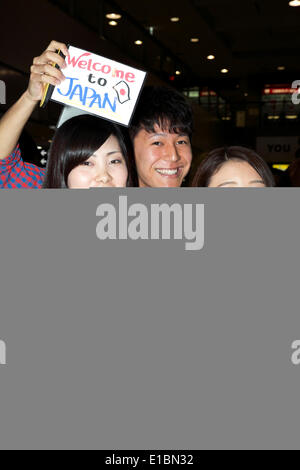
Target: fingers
{"points": [[38, 78], [43, 70], [54, 46], [48, 70], [50, 56], [55, 58]]}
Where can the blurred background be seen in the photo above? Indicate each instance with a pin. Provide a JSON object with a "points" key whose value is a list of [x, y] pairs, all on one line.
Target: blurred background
{"points": [[235, 60]]}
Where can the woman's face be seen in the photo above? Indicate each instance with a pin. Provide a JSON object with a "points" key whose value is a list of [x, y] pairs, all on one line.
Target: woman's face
{"points": [[106, 168], [236, 174]]}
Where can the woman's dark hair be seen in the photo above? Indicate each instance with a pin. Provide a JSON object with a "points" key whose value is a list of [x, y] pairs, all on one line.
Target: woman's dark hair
{"points": [[164, 107], [215, 159], [74, 142]]}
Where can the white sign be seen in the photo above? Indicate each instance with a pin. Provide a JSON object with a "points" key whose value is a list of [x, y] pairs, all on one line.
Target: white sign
{"points": [[278, 149], [100, 86]]}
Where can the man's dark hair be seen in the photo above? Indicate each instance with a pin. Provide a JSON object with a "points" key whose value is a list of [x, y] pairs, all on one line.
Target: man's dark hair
{"points": [[164, 107]]}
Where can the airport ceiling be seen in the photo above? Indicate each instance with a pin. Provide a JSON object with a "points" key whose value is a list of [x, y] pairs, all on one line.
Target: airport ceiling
{"points": [[256, 42], [250, 38]]}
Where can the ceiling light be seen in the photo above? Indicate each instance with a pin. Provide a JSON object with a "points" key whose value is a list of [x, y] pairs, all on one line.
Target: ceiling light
{"points": [[275, 117], [224, 71], [113, 23], [281, 68], [211, 57], [294, 3], [195, 40], [113, 16], [291, 116], [138, 42], [178, 72], [175, 19]]}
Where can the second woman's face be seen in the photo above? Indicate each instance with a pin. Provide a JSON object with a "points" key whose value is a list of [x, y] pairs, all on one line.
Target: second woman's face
{"points": [[106, 168], [236, 174]]}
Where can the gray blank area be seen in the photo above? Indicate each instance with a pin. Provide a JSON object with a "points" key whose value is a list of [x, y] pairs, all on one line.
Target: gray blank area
{"points": [[142, 345]]}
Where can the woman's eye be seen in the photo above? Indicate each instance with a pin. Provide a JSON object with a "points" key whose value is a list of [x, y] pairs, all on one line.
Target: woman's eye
{"points": [[182, 142], [116, 162], [87, 164]]}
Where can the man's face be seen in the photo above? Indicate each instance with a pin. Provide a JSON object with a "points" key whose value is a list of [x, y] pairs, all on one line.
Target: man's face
{"points": [[163, 159]]}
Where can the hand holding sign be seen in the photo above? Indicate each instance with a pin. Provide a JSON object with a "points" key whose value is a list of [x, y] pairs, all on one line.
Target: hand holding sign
{"points": [[100, 86], [43, 73]]}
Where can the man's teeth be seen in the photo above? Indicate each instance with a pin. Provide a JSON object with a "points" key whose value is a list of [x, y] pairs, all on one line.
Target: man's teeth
{"points": [[168, 172]]}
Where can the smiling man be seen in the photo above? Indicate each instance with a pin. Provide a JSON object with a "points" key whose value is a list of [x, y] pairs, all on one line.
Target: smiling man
{"points": [[161, 134]]}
